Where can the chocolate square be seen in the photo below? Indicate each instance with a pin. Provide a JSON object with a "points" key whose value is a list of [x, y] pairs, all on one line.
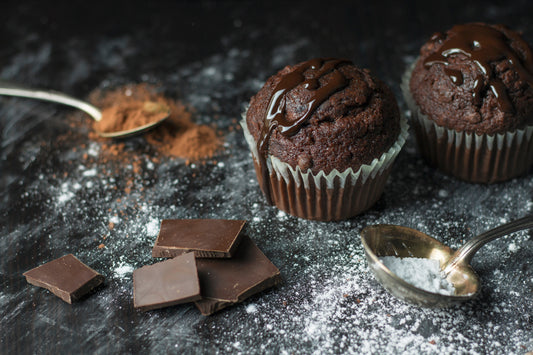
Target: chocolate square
{"points": [[227, 281], [66, 277], [167, 283], [207, 238]]}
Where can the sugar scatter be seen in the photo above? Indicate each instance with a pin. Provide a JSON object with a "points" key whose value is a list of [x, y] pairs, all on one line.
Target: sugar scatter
{"points": [[420, 272]]}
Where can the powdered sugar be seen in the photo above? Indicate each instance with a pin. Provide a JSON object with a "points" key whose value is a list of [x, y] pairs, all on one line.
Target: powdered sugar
{"points": [[66, 194], [152, 227], [251, 308], [123, 270], [90, 172], [420, 272]]}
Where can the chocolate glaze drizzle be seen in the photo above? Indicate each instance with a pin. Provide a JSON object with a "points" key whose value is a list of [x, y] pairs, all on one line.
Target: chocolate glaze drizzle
{"points": [[484, 45], [275, 116]]}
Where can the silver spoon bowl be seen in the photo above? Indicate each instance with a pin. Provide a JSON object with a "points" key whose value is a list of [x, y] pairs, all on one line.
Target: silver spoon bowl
{"points": [[11, 89], [390, 240]]}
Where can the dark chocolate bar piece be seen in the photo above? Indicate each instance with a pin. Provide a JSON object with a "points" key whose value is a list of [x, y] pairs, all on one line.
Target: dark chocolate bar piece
{"points": [[227, 281], [66, 277], [207, 238], [167, 283]]}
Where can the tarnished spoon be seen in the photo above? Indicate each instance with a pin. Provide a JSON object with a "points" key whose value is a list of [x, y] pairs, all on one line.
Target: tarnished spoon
{"points": [[390, 240], [11, 89]]}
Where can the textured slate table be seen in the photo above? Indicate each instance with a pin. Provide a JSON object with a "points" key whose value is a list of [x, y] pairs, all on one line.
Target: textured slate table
{"points": [[57, 196]]}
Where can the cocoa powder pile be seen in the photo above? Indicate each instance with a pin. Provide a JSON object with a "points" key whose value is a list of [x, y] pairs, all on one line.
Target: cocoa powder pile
{"points": [[132, 106], [130, 115]]}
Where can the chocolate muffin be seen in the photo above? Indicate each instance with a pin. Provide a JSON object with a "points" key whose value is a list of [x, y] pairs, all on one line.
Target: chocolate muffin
{"points": [[323, 134], [471, 93]]}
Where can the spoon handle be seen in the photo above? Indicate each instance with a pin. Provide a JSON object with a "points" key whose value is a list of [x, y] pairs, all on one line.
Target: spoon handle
{"points": [[467, 251], [10, 89]]}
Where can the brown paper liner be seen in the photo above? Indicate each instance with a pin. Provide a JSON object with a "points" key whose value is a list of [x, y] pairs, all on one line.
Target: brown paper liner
{"points": [[317, 202], [327, 197], [469, 156]]}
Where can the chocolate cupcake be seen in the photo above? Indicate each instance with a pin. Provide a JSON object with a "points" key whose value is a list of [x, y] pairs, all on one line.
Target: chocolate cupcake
{"points": [[323, 136], [471, 95]]}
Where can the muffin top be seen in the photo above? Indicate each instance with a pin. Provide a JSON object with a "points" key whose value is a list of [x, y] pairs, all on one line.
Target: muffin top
{"points": [[475, 78], [324, 114]]}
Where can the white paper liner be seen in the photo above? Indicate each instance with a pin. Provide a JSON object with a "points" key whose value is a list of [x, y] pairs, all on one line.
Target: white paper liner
{"points": [[489, 148], [288, 173]]}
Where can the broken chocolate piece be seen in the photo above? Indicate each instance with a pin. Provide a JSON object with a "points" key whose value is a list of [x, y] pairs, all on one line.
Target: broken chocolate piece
{"points": [[207, 238], [67, 278], [166, 283], [228, 281]]}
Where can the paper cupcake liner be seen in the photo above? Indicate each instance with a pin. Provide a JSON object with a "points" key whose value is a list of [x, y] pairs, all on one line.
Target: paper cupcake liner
{"points": [[326, 197], [468, 156]]}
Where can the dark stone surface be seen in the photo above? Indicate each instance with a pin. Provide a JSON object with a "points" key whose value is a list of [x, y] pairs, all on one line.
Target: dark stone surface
{"points": [[57, 197]]}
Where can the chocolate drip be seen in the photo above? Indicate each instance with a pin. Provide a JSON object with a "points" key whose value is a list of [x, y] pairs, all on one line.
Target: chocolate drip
{"points": [[484, 45], [455, 75], [275, 116]]}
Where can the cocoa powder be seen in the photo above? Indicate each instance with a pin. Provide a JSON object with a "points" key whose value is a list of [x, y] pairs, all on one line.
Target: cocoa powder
{"points": [[126, 107], [193, 143], [127, 116]]}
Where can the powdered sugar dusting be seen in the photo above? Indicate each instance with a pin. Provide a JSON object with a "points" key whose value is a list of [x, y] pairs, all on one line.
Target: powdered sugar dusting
{"points": [[123, 270], [251, 308], [420, 272], [152, 227]]}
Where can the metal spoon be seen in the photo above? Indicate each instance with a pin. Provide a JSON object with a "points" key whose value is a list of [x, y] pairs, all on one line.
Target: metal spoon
{"points": [[390, 240], [10, 89]]}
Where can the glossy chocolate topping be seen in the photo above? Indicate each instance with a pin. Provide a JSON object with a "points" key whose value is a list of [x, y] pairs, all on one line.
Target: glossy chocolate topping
{"points": [[484, 45], [275, 116]]}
